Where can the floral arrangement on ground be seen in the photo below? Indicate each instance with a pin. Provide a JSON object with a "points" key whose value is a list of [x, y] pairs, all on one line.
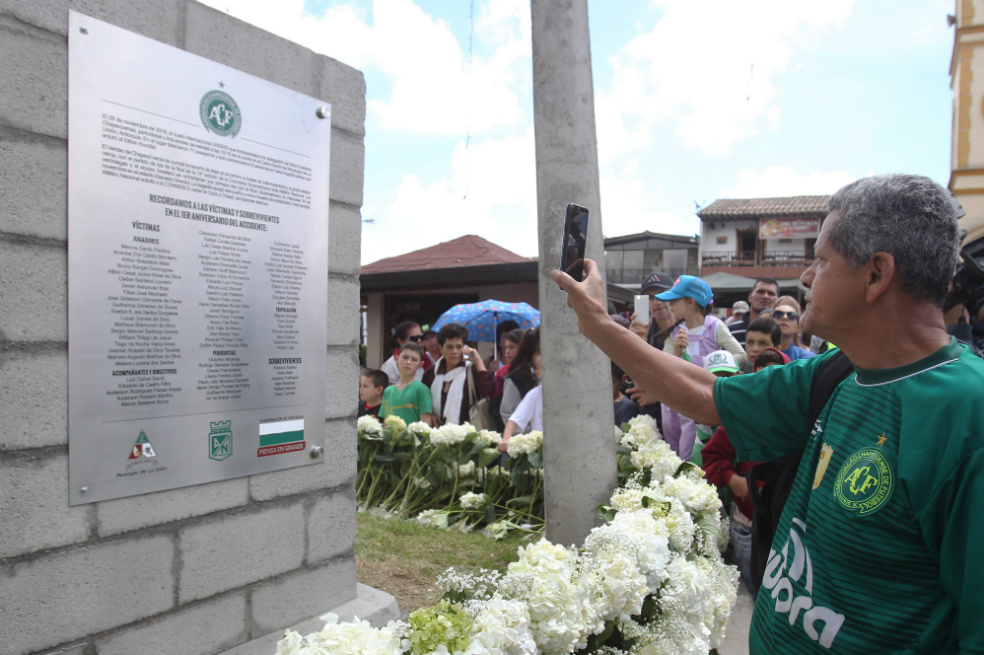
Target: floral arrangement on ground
{"points": [[450, 477], [649, 581]]}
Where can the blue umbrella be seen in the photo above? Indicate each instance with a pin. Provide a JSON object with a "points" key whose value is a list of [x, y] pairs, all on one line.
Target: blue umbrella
{"points": [[482, 318]]}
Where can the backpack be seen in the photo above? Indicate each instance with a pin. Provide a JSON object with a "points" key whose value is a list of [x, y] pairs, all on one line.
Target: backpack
{"points": [[778, 476]]}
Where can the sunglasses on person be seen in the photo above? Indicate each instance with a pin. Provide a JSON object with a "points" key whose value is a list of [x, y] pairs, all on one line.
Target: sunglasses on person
{"points": [[792, 316], [416, 338]]}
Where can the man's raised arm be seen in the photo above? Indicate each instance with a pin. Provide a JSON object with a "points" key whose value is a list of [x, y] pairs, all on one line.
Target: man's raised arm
{"points": [[687, 388]]}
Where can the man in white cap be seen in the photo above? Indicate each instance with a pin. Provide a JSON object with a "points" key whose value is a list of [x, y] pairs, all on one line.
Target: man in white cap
{"points": [[738, 311]]}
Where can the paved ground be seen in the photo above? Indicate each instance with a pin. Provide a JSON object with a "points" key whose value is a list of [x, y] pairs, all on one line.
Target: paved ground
{"points": [[736, 643]]}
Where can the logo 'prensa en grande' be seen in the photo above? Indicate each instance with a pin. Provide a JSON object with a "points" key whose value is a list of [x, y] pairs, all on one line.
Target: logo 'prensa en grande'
{"points": [[220, 440], [220, 113], [865, 482]]}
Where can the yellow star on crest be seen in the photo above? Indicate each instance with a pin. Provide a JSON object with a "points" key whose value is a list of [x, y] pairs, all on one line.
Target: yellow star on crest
{"points": [[881, 440]]}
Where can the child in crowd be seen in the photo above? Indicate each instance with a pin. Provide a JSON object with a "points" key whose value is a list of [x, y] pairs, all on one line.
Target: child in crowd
{"points": [[372, 383], [529, 411], [696, 335], [409, 398], [722, 364], [722, 469], [770, 357], [625, 407], [761, 333]]}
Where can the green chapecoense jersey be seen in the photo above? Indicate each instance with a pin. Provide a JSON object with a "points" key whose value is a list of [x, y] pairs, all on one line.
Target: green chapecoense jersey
{"points": [[880, 548]]}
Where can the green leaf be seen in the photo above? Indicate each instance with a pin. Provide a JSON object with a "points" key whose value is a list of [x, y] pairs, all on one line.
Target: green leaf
{"points": [[685, 466], [535, 459], [520, 501], [605, 512], [487, 456], [489, 510]]}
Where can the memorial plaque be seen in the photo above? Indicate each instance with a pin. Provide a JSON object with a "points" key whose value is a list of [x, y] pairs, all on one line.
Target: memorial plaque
{"points": [[197, 268]]}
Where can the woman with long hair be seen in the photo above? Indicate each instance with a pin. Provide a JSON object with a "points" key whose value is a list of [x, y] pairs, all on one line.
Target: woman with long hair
{"points": [[786, 313], [521, 377]]}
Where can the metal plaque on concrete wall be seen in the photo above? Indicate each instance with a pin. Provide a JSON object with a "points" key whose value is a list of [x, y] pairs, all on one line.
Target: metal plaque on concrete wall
{"points": [[197, 268]]}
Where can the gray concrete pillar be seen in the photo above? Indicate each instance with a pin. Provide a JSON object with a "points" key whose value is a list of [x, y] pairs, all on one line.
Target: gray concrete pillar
{"points": [[579, 449]]}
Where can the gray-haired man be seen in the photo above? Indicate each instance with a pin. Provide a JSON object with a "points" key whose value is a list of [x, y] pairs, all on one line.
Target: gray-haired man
{"points": [[878, 547]]}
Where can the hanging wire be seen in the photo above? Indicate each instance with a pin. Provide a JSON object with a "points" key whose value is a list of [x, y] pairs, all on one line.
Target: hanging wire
{"points": [[468, 70]]}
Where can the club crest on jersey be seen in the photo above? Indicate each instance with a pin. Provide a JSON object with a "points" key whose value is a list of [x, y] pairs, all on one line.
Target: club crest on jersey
{"points": [[865, 482]]}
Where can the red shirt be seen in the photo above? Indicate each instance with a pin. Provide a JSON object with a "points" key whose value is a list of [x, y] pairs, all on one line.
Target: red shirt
{"points": [[718, 456]]}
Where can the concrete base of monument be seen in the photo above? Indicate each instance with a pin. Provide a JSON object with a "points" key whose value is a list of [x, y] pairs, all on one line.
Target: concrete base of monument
{"points": [[373, 605]]}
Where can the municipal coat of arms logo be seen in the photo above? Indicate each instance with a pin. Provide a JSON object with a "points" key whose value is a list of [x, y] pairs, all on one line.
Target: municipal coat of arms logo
{"points": [[220, 440]]}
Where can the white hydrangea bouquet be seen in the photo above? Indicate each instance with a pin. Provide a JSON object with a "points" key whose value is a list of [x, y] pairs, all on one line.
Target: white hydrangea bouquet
{"points": [[650, 581], [450, 477]]}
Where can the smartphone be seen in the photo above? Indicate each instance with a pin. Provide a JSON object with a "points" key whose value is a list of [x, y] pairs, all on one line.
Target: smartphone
{"points": [[575, 239], [642, 309]]}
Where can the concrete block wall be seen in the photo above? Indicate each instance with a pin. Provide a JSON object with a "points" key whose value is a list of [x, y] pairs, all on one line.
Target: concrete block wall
{"points": [[189, 571]]}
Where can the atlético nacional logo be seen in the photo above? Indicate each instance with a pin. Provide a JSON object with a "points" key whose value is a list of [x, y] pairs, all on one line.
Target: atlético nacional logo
{"points": [[865, 482], [220, 113]]}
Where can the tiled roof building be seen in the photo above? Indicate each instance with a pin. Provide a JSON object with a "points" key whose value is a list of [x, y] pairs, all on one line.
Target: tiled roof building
{"points": [[755, 237]]}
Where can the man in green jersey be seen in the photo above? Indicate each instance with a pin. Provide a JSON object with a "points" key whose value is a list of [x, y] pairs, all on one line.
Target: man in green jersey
{"points": [[877, 549]]}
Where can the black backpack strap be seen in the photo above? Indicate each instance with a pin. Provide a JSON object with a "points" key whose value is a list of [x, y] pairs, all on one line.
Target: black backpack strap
{"points": [[777, 477], [826, 379]]}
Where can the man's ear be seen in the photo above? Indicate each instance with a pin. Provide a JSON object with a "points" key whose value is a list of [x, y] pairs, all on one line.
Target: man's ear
{"points": [[878, 275]]}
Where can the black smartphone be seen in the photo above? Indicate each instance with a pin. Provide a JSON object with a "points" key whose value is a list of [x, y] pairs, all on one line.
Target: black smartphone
{"points": [[575, 239]]}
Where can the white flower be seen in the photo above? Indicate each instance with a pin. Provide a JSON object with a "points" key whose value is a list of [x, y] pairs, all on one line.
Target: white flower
{"points": [[450, 434], [369, 424], [522, 444], [658, 456], [433, 517], [654, 544], [681, 526], [695, 494], [488, 437], [614, 586], [396, 422], [357, 637], [555, 601], [503, 627], [465, 470], [290, 644], [470, 500], [419, 428], [642, 430]]}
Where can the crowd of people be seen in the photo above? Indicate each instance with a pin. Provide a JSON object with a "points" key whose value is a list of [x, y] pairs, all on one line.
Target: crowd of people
{"points": [[437, 377], [874, 550]]}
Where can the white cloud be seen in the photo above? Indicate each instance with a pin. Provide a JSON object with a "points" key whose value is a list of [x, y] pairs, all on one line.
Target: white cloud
{"points": [[628, 206], [491, 192], [708, 71], [431, 88], [777, 181]]}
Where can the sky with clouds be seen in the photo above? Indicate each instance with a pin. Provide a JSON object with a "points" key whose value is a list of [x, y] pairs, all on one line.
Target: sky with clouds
{"points": [[694, 101]]}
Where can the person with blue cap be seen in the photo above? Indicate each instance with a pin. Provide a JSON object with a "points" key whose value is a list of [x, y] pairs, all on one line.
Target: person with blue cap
{"points": [[696, 335]]}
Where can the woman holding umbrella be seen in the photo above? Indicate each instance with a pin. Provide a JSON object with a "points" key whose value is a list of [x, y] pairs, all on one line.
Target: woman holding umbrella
{"points": [[454, 377]]}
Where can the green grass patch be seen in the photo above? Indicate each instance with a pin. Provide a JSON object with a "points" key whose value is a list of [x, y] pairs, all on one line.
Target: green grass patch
{"points": [[405, 559]]}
